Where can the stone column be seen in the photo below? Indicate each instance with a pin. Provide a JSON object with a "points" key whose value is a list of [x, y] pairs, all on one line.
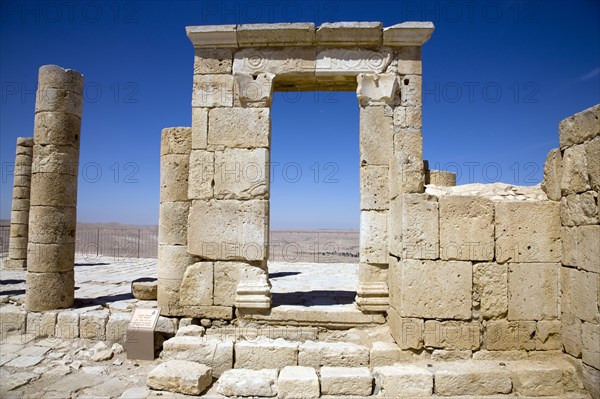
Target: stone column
{"points": [[53, 212], [19, 218]]}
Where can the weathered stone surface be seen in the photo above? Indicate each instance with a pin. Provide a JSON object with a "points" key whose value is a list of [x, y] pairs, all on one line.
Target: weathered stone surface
{"points": [[548, 335], [590, 377], [173, 260], [568, 240], [298, 382], [407, 33], [41, 324], [190, 330], [50, 99], [490, 282], [536, 378], [172, 228], [440, 178], [280, 62], [408, 117], [406, 164], [242, 173], [229, 229], [212, 91], [533, 291], [51, 189], [590, 337], [349, 33], [579, 294], [197, 285], [527, 231], [406, 61], [410, 90], [265, 353], [180, 376], [579, 209], [116, 327], [50, 258], [427, 285], [215, 353], [385, 354], [58, 286], [61, 78], [201, 175], [12, 319], [356, 381], [67, 325], [176, 140], [241, 382], [253, 91], [407, 332], [57, 128], [212, 35], [239, 127], [415, 227], [212, 61], [335, 354], [592, 152], [400, 381], [553, 174], [277, 34], [174, 171], [377, 89], [454, 335], [92, 325], [51, 158], [588, 249], [228, 275], [373, 237], [199, 128], [376, 136], [574, 171], [466, 227], [144, 289], [579, 127], [571, 334], [331, 62], [510, 335], [472, 378], [374, 192]]}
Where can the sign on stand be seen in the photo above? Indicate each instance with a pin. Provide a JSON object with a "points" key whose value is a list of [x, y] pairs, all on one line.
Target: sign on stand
{"points": [[139, 341]]}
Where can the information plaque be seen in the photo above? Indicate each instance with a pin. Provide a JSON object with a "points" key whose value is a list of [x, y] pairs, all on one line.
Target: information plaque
{"points": [[139, 341]]}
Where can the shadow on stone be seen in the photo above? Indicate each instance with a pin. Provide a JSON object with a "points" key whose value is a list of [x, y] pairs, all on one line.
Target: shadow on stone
{"points": [[93, 264], [313, 298], [6, 282], [283, 274]]}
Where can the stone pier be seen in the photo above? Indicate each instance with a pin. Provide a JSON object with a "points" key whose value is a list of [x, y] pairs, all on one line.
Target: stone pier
{"points": [[53, 212], [19, 219]]}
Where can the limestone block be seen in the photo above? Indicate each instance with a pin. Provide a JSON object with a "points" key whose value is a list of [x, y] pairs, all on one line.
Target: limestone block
{"points": [[173, 260], [21, 192], [265, 353], [527, 231], [375, 89], [579, 209], [588, 249], [510, 335], [466, 227], [278, 34], [334, 354], [298, 382], [22, 180], [67, 325], [427, 287], [533, 291], [20, 204], [402, 381], [212, 61], [61, 78], [227, 275], [229, 229], [407, 33], [341, 62], [53, 159], [49, 99], [472, 378], [57, 128], [408, 117], [579, 127], [406, 61], [16, 247], [590, 377], [197, 285], [280, 62], [12, 320], [490, 282], [48, 291], [553, 174], [574, 171], [407, 174], [410, 90], [558, 378], [172, 228], [174, 171], [52, 189], [415, 227], [212, 35], [242, 173], [190, 330], [590, 337], [241, 382], [570, 332], [453, 335], [592, 152], [92, 325], [373, 237], [144, 289], [167, 296], [41, 324], [548, 335], [253, 90], [199, 128], [374, 191], [568, 240], [202, 175], [18, 230], [349, 33], [407, 332], [24, 145], [212, 91], [356, 381], [214, 352], [239, 127], [116, 327], [376, 136], [180, 376], [385, 354], [21, 217], [579, 294], [176, 140]]}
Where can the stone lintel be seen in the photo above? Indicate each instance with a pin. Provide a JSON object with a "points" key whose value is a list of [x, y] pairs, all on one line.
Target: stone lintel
{"points": [[407, 34]]}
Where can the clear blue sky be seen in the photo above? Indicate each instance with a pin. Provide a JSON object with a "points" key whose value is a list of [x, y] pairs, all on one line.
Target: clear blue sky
{"points": [[498, 77]]}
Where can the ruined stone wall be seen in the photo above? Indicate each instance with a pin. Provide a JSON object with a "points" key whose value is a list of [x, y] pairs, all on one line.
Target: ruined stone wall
{"points": [[572, 178]]}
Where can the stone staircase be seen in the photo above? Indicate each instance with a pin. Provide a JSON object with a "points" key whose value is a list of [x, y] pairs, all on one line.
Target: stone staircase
{"points": [[312, 363]]}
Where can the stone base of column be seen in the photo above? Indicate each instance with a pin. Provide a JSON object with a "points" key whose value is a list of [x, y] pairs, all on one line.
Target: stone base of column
{"points": [[15, 264], [373, 297], [253, 295], [47, 291]]}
